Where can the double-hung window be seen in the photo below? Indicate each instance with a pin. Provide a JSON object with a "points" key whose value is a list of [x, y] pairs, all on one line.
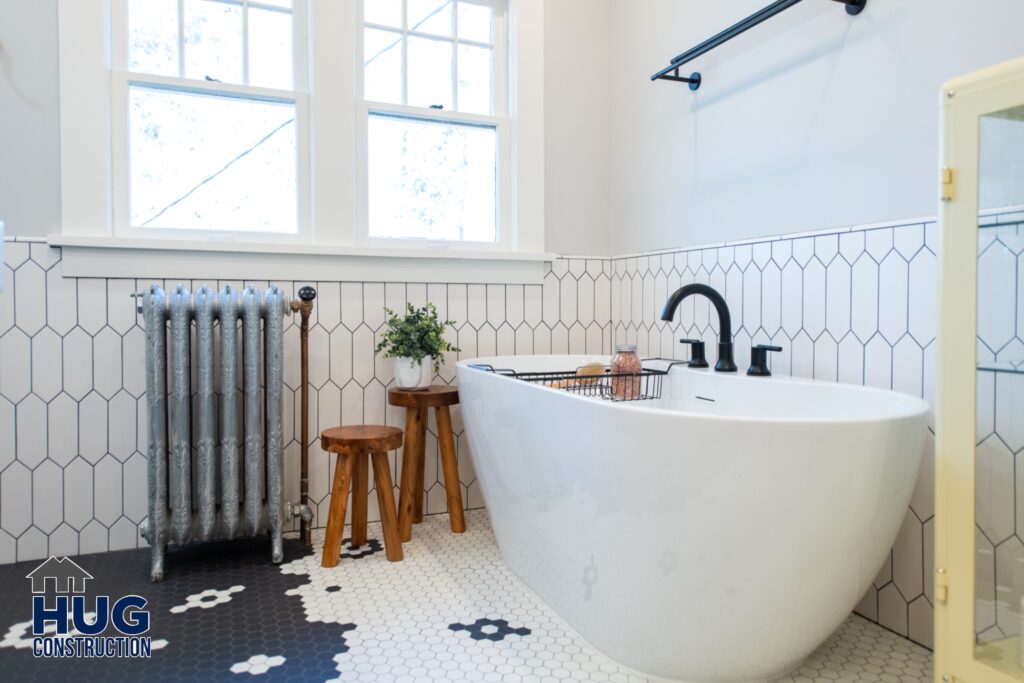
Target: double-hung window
{"points": [[434, 128], [209, 116]]}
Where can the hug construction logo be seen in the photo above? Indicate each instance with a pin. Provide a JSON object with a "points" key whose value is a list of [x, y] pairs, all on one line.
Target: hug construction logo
{"points": [[62, 627]]}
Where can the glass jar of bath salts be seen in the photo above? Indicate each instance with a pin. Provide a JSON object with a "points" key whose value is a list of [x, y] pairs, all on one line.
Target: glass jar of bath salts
{"points": [[625, 362]]}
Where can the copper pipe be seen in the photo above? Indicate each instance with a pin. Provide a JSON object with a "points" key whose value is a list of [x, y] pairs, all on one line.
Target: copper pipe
{"points": [[305, 307]]}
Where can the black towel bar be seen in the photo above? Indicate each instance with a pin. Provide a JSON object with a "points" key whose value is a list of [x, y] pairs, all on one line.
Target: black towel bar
{"points": [[671, 72]]}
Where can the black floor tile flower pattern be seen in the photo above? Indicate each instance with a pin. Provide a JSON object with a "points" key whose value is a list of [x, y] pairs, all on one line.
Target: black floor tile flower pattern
{"points": [[450, 611], [489, 629], [372, 547]]}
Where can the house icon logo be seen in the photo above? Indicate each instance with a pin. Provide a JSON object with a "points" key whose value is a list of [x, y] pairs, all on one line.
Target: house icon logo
{"points": [[67, 576]]}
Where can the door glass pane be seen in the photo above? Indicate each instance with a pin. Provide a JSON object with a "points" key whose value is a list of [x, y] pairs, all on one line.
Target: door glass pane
{"points": [[999, 456], [432, 180], [211, 163]]}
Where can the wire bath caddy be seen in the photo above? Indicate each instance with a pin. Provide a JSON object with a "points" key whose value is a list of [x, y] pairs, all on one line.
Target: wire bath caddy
{"points": [[597, 380]]}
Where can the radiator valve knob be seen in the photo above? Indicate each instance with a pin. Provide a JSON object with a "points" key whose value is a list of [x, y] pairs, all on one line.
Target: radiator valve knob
{"points": [[307, 293]]}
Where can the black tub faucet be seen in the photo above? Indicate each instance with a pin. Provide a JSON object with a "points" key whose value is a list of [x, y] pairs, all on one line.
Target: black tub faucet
{"points": [[725, 362]]}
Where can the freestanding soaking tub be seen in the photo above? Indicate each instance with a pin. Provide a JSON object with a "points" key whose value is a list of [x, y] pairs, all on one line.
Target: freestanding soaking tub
{"points": [[719, 533]]}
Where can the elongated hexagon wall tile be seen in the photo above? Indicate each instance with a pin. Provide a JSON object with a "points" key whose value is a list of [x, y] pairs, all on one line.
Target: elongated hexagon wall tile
{"points": [[61, 425], [15, 359], [108, 485], [107, 363], [7, 433], [77, 364], [47, 501], [29, 288], [31, 431], [78, 493], [15, 506]]}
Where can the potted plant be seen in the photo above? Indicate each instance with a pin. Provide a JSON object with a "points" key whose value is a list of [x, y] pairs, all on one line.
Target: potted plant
{"points": [[410, 340]]}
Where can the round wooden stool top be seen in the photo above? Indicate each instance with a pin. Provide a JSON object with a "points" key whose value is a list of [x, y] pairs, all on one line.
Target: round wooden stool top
{"points": [[432, 397], [356, 439]]}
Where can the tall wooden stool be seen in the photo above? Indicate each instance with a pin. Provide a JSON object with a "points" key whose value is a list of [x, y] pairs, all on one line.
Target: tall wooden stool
{"points": [[354, 446], [410, 503]]}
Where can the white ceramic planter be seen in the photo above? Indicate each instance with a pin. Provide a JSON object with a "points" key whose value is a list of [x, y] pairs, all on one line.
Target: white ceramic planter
{"points": [[413, 374]]}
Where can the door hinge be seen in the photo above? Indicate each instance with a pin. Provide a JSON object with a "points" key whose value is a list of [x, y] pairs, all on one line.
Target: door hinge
{"points": [[941, 585], [948, 180]]}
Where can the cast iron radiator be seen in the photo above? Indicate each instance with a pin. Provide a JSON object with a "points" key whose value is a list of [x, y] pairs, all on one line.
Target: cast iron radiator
{"points": [[214, 382]]}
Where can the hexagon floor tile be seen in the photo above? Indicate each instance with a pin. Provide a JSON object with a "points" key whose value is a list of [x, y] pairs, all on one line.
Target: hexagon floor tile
{"points": [[450, 611]]}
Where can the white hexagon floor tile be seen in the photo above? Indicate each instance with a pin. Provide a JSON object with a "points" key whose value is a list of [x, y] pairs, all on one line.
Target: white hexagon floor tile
{"points": [[451, 610]]}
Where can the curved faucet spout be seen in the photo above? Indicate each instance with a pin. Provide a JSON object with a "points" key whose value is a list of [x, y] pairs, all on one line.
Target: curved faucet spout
{"points": [[725, 361]]}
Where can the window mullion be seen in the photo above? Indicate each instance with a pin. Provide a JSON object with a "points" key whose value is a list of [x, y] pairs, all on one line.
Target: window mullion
{"points": [[245, 43], [181, 38], [405, 52], [455, 55]]}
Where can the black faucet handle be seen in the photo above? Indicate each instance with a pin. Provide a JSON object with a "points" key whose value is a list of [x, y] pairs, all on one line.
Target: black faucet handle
{"points": [[759, 360], [697, 357]]}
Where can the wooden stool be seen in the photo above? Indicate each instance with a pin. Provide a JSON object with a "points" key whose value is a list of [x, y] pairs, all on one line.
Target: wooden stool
{"points": [[410, 504], [354, 446]]}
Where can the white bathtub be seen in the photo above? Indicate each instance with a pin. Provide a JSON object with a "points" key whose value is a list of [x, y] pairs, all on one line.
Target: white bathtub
{"points": [[721, 533]]}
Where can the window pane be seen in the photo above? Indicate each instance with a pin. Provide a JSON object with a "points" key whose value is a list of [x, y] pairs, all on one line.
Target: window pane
{"points": [[382, 52], [277, 3], [270, 48], [475, 79], [430, 72], [431, 180], [431, 16], [474, 22], [213, 41], [383, 12], [215, 163], [153, 36]]}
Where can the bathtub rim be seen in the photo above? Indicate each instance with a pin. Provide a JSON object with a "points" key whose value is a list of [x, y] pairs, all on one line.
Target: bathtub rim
{"points": [[915, 406]]}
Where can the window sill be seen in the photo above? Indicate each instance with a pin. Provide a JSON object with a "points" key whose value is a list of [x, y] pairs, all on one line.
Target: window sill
{"points": [[110, 257]]}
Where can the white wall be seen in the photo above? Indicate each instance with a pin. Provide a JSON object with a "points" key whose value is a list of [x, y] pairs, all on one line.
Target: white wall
{"points": [[577, 126], [813, 119], [29, 125]]}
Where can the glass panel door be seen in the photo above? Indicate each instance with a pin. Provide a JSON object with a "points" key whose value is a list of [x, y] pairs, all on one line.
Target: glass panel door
{"points": [[999, 452]]}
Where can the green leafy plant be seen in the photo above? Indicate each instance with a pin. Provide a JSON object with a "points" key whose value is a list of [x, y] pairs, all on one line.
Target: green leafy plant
{"points": [[417, 335]]}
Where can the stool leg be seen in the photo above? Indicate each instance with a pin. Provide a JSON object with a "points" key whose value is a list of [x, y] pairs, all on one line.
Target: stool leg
{"points": [[336, 516], [359, 496], [407, 498], [450, 463], [386, 501], [421, 457]]}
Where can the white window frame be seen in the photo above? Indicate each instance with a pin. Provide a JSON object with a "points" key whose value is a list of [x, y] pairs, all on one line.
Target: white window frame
{"points": [[121, 81], [498, 119], [90, 189]]}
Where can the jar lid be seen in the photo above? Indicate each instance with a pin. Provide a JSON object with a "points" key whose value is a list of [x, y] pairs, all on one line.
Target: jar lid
{"points": [[625, 348]]}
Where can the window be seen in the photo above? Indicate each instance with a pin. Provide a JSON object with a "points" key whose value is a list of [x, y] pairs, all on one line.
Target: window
{"points": [[335, 123], [211, 117], [435, 136]]}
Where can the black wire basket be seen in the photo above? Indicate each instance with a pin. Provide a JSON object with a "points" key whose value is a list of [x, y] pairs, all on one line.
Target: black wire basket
{"points": [[597, 380]]}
